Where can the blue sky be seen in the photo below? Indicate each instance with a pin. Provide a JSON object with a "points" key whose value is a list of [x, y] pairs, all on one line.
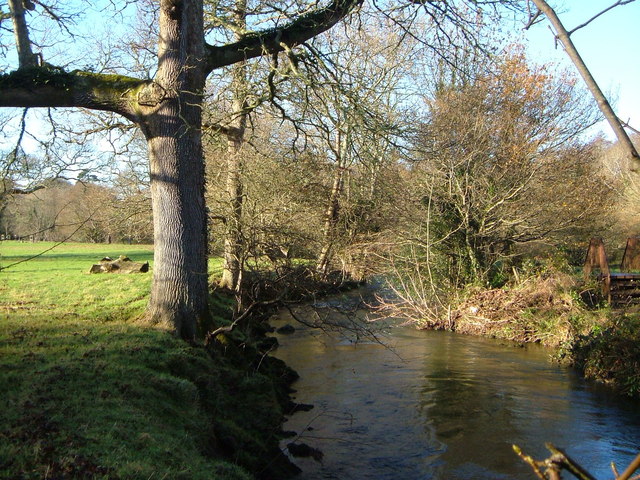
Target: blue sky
{"points": [[609, 47]]}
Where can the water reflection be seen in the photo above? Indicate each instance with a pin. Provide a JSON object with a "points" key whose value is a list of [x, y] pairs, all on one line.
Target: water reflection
{"points": [[439, 405]]}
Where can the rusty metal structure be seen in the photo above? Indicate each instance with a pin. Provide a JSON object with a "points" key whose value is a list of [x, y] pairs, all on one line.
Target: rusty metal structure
{"points": [[620, 288]]}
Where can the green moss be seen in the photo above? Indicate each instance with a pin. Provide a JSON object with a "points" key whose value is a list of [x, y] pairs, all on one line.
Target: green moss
{"points": [[31, 77], [102, 85], [105, 85]]}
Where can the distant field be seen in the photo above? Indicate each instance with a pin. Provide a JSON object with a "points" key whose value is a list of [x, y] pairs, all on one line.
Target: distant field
{"points": [[57, 283]]}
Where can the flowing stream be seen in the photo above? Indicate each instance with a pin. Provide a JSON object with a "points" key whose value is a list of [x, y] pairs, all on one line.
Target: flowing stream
{"points": [[436, 405]]}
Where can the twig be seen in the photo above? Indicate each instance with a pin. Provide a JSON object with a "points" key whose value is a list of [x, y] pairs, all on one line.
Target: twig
{"points": [[245, 314], [633, 466], [529, 460], [626, 125], [618, 3], [532, 20], [615, 470], [568, 463], [559, 460]]}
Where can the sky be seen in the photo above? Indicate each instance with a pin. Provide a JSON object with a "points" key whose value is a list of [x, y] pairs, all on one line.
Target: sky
{"points": [[608, 46]]}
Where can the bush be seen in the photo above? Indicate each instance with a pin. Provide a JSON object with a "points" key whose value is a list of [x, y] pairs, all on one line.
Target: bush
{"points": [[612, 354]]}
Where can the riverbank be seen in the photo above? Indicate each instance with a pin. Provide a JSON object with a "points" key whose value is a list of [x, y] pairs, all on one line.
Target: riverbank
{"points": [[431, 404], [555, 308], [90, 393]]}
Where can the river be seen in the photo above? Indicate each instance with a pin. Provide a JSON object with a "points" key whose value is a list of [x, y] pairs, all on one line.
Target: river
{"points": [[436, 405]]}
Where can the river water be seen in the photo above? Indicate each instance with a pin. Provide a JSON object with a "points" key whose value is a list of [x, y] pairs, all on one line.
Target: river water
{"points": [[436, 405]]}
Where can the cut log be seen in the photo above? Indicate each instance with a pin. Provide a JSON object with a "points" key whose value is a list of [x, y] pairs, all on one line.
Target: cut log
{"points": [[121, 265]]}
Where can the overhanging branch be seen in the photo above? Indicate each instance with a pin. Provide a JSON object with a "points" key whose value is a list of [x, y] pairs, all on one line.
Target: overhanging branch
{"points": [[603, 103], [279, 39], [48, 86]]}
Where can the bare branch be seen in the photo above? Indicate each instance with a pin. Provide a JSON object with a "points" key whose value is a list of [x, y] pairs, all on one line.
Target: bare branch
{"points": [[633, 466], [24, 191], [574, 55], [617, 4], [626, 125], [228, 328]]}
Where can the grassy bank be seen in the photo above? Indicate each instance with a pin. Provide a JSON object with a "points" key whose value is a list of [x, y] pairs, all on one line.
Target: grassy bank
{"points": [[90, 393], [551, 305]]}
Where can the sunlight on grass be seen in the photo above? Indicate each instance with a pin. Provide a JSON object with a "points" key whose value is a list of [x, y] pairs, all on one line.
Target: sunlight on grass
{"points": [[87, 393], [58, 283]]}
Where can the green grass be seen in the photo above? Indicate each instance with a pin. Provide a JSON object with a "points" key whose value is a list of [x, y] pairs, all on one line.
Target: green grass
{"points": [[57, 283], [87, 392]]}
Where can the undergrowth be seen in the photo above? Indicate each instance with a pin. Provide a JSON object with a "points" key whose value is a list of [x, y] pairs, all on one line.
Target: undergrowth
{"points": [[549, 304], [611, 353], [544, 306]]}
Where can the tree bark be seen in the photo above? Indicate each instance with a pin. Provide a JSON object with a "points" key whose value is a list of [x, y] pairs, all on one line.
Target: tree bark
{"points": [[603, 103], [26, 58], [301, 29], [332, 213], [232, 268], [233, 248], [47, 86], [168, 110], [179, 295]]}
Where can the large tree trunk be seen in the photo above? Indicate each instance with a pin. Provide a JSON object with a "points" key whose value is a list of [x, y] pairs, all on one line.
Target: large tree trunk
{"points": [[168, 110], [179, 294]]}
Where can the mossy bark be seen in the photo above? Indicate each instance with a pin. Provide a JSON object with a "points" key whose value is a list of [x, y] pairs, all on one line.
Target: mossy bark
{"points": [[49, 86]]}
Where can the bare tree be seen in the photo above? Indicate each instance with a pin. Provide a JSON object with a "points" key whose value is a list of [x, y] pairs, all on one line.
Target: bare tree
{"points": [[167, 108], [498, 165]]}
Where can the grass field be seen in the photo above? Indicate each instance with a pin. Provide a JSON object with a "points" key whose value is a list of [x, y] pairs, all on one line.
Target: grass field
{"points": [[57, 283], [87, 392]]}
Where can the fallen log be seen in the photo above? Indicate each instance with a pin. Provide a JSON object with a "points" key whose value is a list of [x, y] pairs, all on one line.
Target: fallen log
{"points": [[122, 264]]}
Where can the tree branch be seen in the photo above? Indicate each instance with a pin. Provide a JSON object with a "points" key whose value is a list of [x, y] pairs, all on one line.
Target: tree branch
{"points": [[633, 466], [626, 125], [49, 86], [603, 103], [618, 3], [26, 58], [280, 39], [228, 328], [23, 191]]}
